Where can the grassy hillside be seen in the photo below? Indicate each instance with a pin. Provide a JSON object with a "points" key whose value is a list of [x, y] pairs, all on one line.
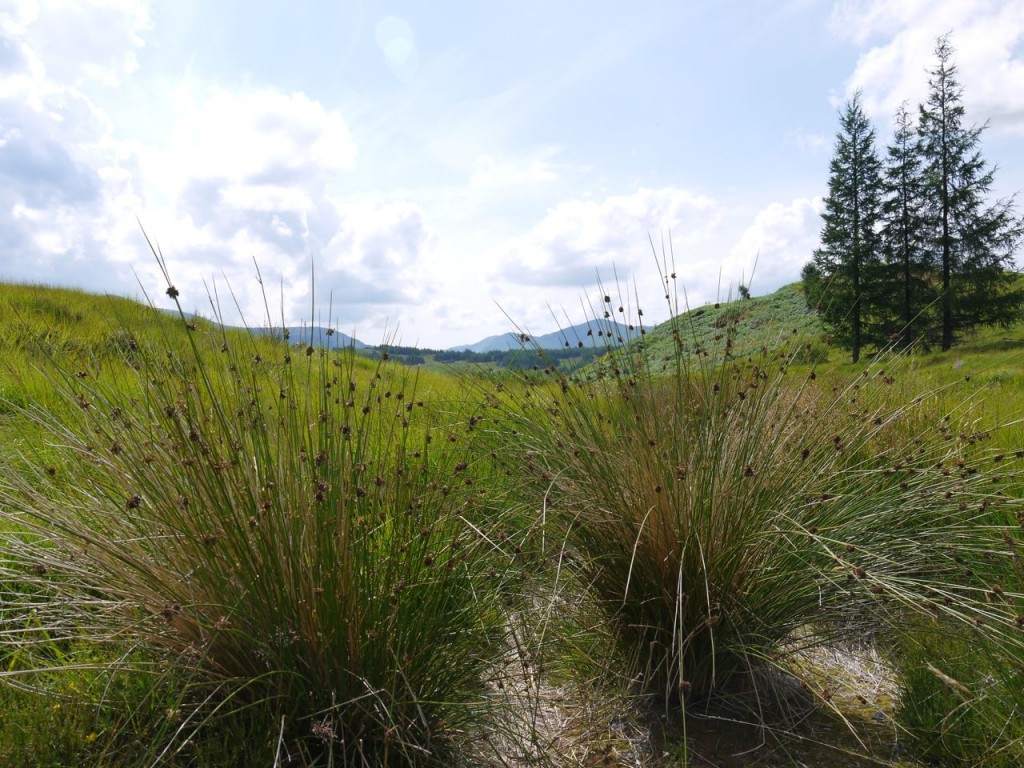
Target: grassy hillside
{"points": [[762, 322], [52, 339], [217, 549], [44, 328], [767, 322]]}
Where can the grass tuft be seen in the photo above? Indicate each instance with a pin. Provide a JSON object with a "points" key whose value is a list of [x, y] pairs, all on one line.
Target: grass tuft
{"points": [[291, 541], [730, 510]]}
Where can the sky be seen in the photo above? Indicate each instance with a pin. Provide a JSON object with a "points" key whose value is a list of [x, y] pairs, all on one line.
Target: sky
{"points": [[431, 173]]}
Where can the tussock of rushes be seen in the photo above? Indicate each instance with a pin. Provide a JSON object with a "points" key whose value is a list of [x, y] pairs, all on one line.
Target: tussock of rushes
{"points": [[282, 536], [723, 507]]}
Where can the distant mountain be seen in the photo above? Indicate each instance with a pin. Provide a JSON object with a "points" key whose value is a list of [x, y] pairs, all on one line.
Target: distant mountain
{"points": [[497, 343], [573, 336], [316, 335], [297, 334]]}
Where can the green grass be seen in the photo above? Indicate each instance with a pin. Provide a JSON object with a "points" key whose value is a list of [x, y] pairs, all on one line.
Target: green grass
{"points": [[755, 326], [962, 696], [722, 510], [218, 549], [292, 536]]}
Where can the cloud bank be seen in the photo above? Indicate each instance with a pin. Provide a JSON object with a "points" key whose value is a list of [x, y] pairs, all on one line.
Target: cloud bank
{"points": [[428, 183], [986, 34]]}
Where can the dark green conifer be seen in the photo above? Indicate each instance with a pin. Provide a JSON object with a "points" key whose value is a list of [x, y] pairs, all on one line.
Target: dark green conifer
{"points": [[910, 271], [843, 279], [971, 242]]}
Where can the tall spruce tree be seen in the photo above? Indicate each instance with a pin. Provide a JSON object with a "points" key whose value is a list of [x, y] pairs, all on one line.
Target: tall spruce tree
{"points": [[972, 243], [842, 279], [910, 269]]}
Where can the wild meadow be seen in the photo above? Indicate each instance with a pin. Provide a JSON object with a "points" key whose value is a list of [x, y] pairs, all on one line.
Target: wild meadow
{"points": [[715, 546]]}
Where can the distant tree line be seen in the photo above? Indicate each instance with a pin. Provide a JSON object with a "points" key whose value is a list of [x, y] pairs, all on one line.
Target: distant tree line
{"points": [[911, 249], [405, 355], [522, 359]]}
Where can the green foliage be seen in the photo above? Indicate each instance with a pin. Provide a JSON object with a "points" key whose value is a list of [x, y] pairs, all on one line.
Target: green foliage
{"points": [[972, 244], [964, 680], [907, 307], [568, 358], [294, 538], [754, 326], [846, 279], [916, 255], [810, 350], [962, 694], [721, 511]]}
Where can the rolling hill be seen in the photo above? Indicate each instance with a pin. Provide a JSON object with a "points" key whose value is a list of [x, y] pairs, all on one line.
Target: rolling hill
{"points": [[573, 336]]}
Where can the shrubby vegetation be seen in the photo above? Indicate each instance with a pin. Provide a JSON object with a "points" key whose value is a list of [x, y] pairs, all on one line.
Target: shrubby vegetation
{"points": [[911, 249], [524, 358], [218, 549], [286, 546]]}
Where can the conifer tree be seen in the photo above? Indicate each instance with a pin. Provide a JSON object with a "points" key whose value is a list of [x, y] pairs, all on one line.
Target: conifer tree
{"points": [[910, 271], [843, 277], [971, 242]]}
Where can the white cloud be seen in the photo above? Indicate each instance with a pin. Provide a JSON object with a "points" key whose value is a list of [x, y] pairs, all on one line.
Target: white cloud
{"points": [[256, 138], [80, 41], [489, 172], [249, 175], [861, 20], [986, 35], [812, 143], [781, 239], [235, 175], [557, 262], [62, 184], [578, 237], [380, 245]]}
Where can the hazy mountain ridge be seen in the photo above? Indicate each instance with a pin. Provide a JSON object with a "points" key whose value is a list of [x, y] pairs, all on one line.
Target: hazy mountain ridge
{"points": [[573, 336], [760, 320], [317, 336]]}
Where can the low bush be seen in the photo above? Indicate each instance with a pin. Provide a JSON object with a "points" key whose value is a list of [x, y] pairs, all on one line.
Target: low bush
{"points": [[719, 511], [288, 537]]}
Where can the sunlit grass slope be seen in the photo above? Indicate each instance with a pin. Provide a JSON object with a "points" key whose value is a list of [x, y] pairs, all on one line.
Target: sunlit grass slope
{"points": [[222, 549], [725, 493], [283, 544]]}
